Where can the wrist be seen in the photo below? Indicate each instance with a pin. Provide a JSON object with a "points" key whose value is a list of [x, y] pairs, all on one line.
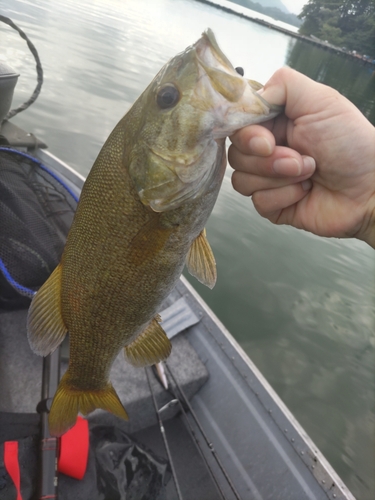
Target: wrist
{"points": [[367, 231]]}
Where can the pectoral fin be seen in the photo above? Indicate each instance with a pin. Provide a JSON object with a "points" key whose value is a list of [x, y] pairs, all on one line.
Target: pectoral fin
{"points": [[200, 261], [45, 326], [150, 347], [148, 242]]}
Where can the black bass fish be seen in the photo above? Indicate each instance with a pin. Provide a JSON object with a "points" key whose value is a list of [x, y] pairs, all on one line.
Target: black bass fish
{"points": [[140, 219]]}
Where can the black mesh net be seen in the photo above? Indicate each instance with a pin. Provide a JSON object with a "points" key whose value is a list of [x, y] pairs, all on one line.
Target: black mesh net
{"points": [[36, 212]]}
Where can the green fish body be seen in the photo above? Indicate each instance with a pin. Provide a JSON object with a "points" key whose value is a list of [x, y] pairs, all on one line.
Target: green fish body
{"points": [[140, 219]]}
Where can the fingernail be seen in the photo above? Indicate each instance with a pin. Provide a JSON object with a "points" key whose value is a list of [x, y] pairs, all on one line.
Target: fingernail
{"points": [[287, 166], [260, 146], [308, 164], [306, 185]]}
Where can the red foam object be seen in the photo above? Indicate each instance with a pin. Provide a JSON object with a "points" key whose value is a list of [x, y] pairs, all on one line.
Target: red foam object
{"points": [[12, 465], [74, 450]]}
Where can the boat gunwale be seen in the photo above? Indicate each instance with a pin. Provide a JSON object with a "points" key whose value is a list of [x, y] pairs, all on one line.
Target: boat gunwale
{"points": [[277, 410]]}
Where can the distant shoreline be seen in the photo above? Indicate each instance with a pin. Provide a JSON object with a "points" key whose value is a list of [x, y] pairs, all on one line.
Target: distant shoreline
{"points": [[314, 41]]}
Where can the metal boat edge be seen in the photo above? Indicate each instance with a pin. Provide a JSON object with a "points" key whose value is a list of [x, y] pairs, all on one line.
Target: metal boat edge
{"points": [[303, 445]]}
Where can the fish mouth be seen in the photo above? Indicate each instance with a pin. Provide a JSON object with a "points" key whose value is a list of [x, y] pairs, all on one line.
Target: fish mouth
{"points": [[210, 54], [224, 79], [238, 96]]}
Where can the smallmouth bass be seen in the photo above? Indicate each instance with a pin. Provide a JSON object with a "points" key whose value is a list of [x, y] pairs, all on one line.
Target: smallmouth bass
{"points": [[140, 219]]}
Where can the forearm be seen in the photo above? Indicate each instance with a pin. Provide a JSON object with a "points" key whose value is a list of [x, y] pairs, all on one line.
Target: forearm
{"points": [[367, 230]]}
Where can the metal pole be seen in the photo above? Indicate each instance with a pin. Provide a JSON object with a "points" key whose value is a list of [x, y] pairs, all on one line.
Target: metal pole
{"points": [[47, 488], [163, 434]]}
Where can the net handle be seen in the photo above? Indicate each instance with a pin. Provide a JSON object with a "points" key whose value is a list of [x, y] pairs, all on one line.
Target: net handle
{"points": [[39, 69]]}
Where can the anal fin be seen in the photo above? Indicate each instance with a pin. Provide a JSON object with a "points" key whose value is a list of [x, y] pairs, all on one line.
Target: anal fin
{"points": [[45, 326], [150, 347], [200, 261]]}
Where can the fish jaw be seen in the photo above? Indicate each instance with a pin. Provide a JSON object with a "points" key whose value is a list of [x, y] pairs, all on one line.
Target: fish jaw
{"points": [[233, 99], [181, 144]]}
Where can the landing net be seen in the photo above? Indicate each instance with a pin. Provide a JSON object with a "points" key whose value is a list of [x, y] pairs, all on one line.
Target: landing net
{"points": [[36, 212]]}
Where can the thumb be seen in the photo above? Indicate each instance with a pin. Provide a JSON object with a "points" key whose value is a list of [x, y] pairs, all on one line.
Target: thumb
{"points": [[299, 94]]}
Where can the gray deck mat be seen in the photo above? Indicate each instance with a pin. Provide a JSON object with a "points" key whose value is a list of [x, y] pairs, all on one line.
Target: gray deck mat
{"points": [[21, 370]]}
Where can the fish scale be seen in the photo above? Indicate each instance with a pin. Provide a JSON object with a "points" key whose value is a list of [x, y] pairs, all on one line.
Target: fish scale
{"points": [[140, 219]]}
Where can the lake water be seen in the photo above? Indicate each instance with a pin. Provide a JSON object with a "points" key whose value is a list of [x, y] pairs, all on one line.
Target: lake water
{"points": [[302, 307]]}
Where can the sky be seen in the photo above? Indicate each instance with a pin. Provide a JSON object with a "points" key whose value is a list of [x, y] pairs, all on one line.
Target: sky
{"points": [[294, 6]]}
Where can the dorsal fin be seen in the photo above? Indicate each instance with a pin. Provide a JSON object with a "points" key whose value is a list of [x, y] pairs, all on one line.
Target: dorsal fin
{"points": [[200, 261]]}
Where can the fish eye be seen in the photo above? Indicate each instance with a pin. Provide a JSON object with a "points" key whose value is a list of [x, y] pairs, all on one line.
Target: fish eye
{"points": [[167, 96]]}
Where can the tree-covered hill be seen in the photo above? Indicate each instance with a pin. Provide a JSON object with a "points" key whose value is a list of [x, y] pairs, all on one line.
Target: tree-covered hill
{"points": [[344, 23], [276, 10]]}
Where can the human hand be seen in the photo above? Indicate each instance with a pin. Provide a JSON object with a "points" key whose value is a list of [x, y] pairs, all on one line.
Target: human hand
{"points": [[312, 167]]}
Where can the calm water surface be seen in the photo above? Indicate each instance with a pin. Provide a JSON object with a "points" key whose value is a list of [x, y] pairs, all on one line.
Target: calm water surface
{"points": [[302, 307]]}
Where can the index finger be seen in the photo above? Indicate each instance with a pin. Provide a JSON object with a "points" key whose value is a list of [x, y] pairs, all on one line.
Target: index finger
{"points": [[256, 140]]}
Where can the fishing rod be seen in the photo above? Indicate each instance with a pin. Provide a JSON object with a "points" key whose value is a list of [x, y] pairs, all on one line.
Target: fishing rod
{"points": [[162, 431], [201, 430], [183, 402]]}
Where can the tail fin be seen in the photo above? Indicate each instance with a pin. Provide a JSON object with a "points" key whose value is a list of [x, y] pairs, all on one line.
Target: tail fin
{"points": [[68, 401]]}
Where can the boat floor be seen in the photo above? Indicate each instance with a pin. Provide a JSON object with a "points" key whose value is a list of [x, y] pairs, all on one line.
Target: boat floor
{"points": [[193, 478]]}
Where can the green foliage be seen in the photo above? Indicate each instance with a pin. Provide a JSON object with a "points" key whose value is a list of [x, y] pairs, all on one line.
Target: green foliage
{"points": [[331, 34], [349, 23]]}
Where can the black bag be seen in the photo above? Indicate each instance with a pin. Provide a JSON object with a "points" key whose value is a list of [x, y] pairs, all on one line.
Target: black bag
{"points": [[118, 468]]}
